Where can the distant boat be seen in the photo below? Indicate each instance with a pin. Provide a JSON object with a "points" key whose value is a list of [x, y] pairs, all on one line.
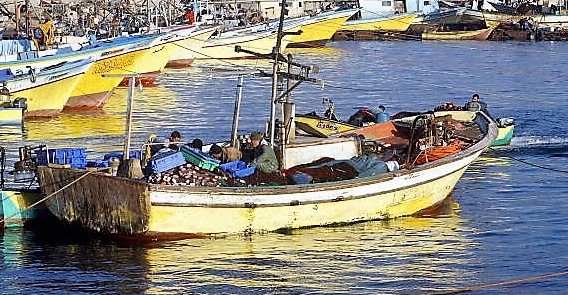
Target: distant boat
{"points": [[317, 30], [324, 127], [392, 23], [259, 38], [184, 51], [45, 90], [480, 35]]}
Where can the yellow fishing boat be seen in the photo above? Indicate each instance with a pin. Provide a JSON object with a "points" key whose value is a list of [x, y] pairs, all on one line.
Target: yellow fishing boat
{"points": [[393, 23], [318, 29], [117, 205], [93, 89], [184, 51], [480, 35], [260, 39], [46, 91]]}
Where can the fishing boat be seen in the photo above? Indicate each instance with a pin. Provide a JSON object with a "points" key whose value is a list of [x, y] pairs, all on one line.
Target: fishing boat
{"points": [[391, 23], [184, 51], [260, 38], [21, 197], [330, 125], [91, 90], [480, 35], [317, 30], [45, 90]]}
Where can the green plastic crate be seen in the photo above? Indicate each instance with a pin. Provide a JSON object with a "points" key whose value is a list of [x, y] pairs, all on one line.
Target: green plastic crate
{"points": [[199, 158]]}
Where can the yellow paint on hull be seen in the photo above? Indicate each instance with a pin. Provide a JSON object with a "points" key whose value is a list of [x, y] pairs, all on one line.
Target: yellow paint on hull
{"points": [[194, 219], [321, 127], [397, 23], [153, 60], [92, 89], [48, 99], [15, 207], [481, 35], [224, 48], [320, 31], [184, 51]]}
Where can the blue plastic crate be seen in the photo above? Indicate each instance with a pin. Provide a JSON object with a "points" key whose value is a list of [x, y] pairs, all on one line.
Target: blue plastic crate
{"points": [[75, 157], [165, 161], [119, 155], [238, 169], [199, 158], [97, 163]]}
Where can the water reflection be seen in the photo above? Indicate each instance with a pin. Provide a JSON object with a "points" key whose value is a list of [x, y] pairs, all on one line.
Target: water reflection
{"points": [[61, 261], [403, 255]]}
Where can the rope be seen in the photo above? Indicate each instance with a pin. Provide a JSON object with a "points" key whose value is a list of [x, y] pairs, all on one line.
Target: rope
{"points": [[49, 196], [505, 283], [531, 164]]}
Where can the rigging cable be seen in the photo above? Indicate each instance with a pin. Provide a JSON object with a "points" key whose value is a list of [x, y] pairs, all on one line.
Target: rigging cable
{"points": [[531, 164], [499, 284]]}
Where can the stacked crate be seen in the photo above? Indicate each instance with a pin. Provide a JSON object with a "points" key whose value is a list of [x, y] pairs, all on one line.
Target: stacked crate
{"points": [[75, 157]]}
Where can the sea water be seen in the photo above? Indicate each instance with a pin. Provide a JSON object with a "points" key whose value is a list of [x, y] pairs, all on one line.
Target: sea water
{"points": [[506, 220]]}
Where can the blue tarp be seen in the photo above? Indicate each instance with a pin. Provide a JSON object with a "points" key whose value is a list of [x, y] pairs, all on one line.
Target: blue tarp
{"points": [[10, 47]]}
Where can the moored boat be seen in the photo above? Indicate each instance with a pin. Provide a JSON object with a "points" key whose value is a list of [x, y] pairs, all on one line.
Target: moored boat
{"points": [[184, 51], [479, 35], [45, 90], [329, 125], [259, 38], [118, 205], [318, 29], [391, 23], [20, 194]]}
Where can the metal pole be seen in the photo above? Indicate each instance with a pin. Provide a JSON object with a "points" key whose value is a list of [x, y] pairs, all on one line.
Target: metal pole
{"points": [[237, 111], [130, 105], [276, 52]]}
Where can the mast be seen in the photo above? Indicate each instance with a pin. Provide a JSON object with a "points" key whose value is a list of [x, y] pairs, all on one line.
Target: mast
{"points": [[276, 52]]}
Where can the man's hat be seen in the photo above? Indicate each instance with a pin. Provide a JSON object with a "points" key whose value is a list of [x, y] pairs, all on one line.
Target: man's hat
{"points": [[256, 135]]}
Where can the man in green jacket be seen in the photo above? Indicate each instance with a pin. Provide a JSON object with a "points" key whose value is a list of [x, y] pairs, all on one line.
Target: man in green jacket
{"points": [[264, 157]]}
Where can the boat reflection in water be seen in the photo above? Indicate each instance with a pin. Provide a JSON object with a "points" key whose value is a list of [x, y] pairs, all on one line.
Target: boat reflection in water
{"points": [[401, 255]]}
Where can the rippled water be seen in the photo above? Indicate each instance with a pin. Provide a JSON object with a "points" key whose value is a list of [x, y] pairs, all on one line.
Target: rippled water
{"points": [[507, 218]]}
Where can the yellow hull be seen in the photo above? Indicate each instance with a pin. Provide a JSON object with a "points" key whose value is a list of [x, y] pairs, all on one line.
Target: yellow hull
{"points": [[49, 99], [480, 35], [223, 47], [14, 207], [397, 23], [153, 59], [320, 30], [173, 219], [92, 90], [321, 127]]}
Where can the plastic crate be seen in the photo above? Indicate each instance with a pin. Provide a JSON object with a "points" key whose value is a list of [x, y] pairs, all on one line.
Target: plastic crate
{"points": [[165, 161], [238, 169], [97, 163], [119, 155], [199, 158], [76, 157]]}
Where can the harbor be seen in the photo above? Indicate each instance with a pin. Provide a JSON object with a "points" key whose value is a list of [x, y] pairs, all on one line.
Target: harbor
{"points": [[492, 204]]}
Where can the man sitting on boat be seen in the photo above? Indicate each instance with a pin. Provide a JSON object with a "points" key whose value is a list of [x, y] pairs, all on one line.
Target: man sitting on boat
{"points": [[475, 105], [264, 158], [225, 154]]}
